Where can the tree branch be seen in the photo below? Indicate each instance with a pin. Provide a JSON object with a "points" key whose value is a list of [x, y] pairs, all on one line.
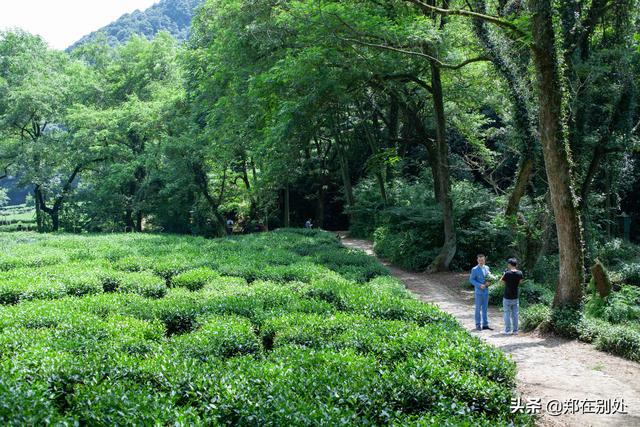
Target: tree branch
{"points": [[427, 8], [408, 77], [437, 62]]}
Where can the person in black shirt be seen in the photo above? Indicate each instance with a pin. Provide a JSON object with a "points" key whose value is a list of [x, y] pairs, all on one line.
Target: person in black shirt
{"points": [[510, 304]]}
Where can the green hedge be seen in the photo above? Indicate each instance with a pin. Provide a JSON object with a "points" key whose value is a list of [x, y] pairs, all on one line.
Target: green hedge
{"points": [[283, 328]]}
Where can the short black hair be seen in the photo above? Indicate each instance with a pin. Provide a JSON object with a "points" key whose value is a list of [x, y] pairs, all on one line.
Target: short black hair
{"points": [[480, 256], [512, 261]]}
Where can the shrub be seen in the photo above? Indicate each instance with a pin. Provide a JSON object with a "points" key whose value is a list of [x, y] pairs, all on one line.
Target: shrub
{"points": [[132, 263], [621, 340], [566, 322], [167, 269], [590, 329], [219, 337], [178, 312], [530, 292], [195, 279], [631, 274], [321, 336], [531, 317], [618, 307], [623, 305], [535, 293], [142, 283], [616, 252]]}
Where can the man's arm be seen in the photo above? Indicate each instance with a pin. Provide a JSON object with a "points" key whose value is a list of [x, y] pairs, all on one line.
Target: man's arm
{"points": [[474, 279]]}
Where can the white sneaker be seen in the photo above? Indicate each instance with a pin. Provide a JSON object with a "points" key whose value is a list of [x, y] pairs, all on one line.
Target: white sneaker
{"points": [[506, 333]]}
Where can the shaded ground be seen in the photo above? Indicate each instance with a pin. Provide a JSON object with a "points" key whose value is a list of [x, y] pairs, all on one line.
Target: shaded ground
{"points": [[549, 368]]}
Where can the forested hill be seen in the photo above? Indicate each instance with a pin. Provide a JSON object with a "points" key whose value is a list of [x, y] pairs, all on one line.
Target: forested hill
{"points": [[173, 16]]}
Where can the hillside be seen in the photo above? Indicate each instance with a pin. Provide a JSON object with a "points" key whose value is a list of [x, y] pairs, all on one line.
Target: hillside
{"points": [[173, 16]]}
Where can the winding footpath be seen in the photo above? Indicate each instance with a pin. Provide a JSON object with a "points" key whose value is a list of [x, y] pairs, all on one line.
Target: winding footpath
{"points": [[550, 369]]}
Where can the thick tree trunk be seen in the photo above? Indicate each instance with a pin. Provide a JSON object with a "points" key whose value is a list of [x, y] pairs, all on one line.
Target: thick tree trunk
{"points": [[55, 220], [556, 156], [442, 261], [53, 212]]}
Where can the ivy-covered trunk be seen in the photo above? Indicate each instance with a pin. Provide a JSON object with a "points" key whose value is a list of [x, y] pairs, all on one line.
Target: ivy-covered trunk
{"points": [[557, 157]]}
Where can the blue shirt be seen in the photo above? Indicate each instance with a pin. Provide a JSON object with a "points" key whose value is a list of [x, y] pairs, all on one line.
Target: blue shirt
{"points": [[478, 276]]}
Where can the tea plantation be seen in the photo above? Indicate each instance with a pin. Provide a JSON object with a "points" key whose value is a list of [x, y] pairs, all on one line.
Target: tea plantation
{"points": [[282, 328]]}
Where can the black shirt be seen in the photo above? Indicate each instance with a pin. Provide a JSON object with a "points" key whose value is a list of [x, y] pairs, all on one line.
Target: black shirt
{"points": [[512, 279]]}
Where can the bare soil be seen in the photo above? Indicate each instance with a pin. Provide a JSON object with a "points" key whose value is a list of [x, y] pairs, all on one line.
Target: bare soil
{"points": [[550, 368]]}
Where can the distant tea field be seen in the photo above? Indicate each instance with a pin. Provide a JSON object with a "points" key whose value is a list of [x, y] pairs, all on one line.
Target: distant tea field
{"points": [[281, 328]]}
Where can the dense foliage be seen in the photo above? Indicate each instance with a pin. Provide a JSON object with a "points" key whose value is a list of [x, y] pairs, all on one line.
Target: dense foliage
{"points": [[271, 329], [172, 16]]}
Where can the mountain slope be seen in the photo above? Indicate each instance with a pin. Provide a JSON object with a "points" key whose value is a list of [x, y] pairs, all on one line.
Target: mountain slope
{"points": [[173, 16]]}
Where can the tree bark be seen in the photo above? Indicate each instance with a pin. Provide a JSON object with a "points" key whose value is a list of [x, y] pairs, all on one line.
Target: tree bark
{"points": [[129, 226], [557, 157], [344, 168], [39, 218], [54, 211], [448, 251], [287, 212], [346, 177], [522, 178]]}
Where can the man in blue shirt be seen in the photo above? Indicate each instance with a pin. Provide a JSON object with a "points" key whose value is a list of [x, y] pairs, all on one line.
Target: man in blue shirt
{"points": [[479, 278]]}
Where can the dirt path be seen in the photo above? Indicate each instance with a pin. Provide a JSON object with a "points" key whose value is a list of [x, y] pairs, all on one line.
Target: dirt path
{"points": [[549, 368]]}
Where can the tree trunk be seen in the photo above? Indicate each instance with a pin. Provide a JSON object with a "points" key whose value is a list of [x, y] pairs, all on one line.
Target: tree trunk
{"points": [[55, 220], [556, 156], [414, 117], [39, 218], [607, 206], [344, 169], [442, 261], [375, 150], [128, 220], [320, 206], [287, 212], [524, 172], [346, 181], [53, 212], [139, 221]]}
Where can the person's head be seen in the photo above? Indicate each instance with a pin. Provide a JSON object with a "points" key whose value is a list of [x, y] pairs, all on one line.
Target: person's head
{"points": [[481, 259], [512, 263]]}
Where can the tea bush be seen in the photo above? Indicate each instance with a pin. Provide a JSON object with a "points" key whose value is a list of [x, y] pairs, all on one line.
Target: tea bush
{"points": [[531, 317], [282, 328], [195, 279]]}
